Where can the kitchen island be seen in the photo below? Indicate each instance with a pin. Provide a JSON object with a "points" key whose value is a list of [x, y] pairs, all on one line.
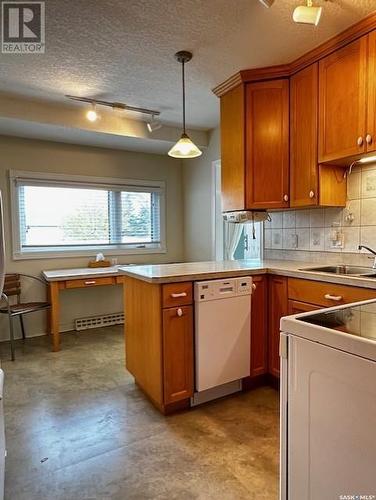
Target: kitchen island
{"points": [[159, 318]]}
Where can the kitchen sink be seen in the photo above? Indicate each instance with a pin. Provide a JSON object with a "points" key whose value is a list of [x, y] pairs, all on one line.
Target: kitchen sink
{"points": [[368, 272]]}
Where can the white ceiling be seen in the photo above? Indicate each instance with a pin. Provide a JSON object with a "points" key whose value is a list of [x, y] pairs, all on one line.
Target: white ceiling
{"points": [[122, 50]]}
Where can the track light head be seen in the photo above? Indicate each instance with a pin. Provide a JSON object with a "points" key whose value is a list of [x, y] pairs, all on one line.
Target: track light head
{"points": [[267, 3], [307, 14], [92, 114], [153, 124]]}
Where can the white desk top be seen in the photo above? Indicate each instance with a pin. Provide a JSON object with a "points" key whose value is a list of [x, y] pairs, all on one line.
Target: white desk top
{"points": [[80, 273]]}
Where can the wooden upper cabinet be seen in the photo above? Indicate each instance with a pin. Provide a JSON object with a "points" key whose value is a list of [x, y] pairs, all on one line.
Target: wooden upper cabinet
{"points": [[342, 102], [255, 146], [371, 116], [311, 184], [232, 150], [267, 144], [303, 137]]}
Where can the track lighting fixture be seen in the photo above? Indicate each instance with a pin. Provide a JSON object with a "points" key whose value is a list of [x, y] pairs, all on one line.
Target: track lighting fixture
{"points": [[307, 14], [184, 148], [92, 114], [303, 14], [153, 124]]}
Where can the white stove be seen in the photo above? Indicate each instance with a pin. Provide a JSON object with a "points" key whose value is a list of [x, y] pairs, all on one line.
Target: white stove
{"points": [[328, 403]]}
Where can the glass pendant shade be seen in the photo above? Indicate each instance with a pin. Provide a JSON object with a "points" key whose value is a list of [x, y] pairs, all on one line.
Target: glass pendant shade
{"points": [[184, 148]]}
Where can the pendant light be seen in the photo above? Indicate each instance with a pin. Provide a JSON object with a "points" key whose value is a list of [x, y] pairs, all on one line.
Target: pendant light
{"points": [[184, 148]]}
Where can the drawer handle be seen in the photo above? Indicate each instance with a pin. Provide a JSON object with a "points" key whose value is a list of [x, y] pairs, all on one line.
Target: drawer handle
{"points": [[177, 295], [90, 282], [179, 312], [336, 298]]}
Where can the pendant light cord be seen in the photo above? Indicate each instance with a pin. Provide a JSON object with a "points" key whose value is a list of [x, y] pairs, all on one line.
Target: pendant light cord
{"points": [[183, 80]]}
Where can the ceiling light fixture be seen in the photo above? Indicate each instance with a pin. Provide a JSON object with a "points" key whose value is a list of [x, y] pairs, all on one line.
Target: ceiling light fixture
{"points": [[307, 14], [92, 114], [184, 148], [154, 124]]}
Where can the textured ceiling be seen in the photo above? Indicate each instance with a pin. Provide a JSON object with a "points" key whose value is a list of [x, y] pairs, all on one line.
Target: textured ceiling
{"points": [[122, 50]]}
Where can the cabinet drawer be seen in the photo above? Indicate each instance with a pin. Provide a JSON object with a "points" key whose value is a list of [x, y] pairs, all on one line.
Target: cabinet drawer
{"points": [[177, 294], [89, 282], [296, 307], [326, 294]]}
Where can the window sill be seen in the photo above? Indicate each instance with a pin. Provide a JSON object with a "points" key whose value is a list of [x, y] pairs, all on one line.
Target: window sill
{"points": [[66, 254]]}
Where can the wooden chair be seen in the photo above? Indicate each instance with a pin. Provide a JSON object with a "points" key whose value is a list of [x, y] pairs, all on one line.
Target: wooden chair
{"points": [[12, 288]]}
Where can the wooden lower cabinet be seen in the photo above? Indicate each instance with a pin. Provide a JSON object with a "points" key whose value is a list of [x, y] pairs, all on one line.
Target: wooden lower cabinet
{"points": [[325, 294], [297, 307], [278, 307], [178, 353], [159, 342], [259, 327]]}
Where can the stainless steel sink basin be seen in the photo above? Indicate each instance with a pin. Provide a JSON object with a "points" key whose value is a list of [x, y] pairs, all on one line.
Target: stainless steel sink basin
{"points": [[344, 270]]}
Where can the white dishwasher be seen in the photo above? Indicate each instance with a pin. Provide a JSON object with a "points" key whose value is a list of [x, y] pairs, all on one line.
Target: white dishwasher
{"points": [[222, 336]]}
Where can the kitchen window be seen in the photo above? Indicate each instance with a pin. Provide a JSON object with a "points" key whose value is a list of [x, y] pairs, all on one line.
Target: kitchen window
{"points": [[57, 215]]}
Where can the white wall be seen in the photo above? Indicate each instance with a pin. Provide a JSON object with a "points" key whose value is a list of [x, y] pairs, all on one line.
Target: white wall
{"points": [[197, 183], [42, 156]]}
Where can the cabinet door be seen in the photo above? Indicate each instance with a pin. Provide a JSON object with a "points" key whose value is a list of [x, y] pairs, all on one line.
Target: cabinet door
{"points": [[303, 137], [296, 307], [259, 329], [342, 102], [177, 353], [232, 149], [278, 303], [267, 144], [371, 117]]}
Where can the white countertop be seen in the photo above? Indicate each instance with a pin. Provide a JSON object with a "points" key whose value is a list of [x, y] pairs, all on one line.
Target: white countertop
{"points": [[194, 271]]}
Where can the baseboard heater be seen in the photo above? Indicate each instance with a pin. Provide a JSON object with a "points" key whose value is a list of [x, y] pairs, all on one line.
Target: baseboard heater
{"points": [[99, 321]]}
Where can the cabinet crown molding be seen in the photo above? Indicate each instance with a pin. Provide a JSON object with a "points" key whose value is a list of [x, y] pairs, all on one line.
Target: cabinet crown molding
{"points": [[350, 34]]}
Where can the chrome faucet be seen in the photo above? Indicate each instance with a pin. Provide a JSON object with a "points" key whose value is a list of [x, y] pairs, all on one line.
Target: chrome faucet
{"points": [[370, 250]]}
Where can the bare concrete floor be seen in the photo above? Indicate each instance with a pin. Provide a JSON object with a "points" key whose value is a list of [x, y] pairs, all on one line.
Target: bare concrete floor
{"points": [[78, 428]]}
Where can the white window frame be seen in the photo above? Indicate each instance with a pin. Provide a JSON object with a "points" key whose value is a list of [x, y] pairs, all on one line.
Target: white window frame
{"points": [[70, 180]]}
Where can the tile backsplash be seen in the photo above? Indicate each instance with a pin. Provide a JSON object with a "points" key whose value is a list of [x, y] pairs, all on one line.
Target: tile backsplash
{"points": [[335, 230]]}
